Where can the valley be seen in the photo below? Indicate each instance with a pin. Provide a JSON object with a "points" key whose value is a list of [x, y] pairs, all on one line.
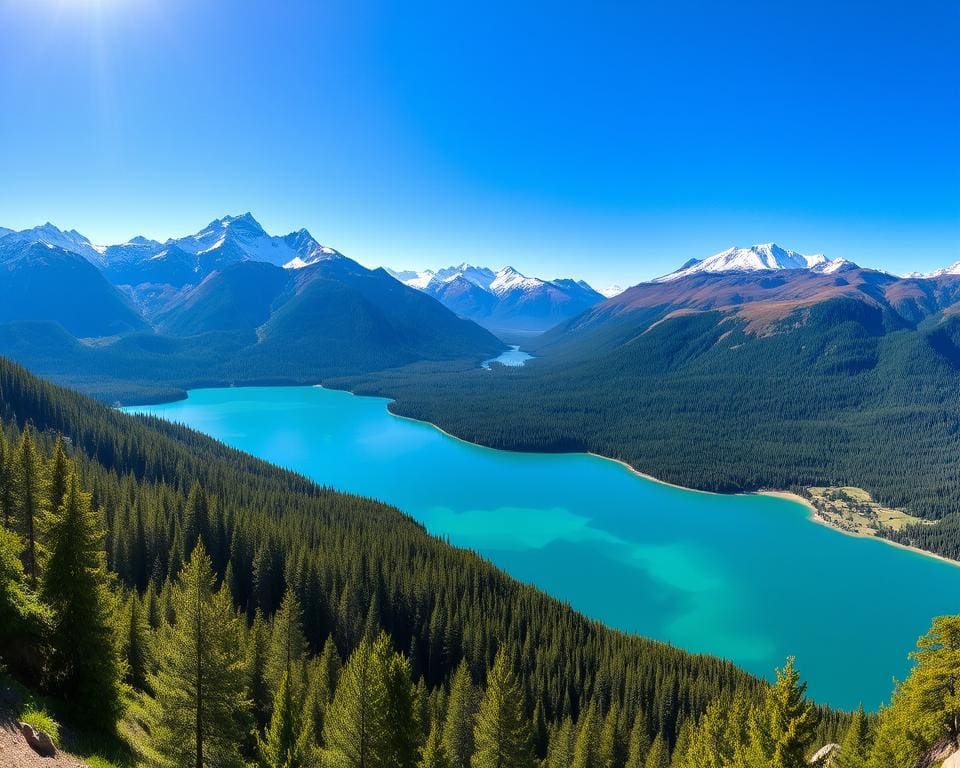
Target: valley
{"points": [[696, 570]]}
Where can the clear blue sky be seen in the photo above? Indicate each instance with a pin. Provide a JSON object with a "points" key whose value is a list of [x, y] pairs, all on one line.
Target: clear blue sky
{"points": [[609, 140]]}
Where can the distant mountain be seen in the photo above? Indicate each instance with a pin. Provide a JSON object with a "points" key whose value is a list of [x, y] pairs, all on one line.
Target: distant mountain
{"points": [[611, 290], [44, 282], [767, 257], [48, 234], [953, 269], [504, 301]]}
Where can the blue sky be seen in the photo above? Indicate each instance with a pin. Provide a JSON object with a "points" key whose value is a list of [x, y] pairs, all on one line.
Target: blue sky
{"points": [[608, 140]]}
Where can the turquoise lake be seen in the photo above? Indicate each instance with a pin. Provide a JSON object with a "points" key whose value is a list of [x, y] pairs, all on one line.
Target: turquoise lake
{"points": [[749, 578]]}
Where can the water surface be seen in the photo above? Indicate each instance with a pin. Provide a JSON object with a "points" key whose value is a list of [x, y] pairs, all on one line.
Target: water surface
{"points": [[749, 578], [513, 357]]}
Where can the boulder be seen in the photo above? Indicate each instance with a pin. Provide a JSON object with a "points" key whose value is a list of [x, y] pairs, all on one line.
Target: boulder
{"points": [[823, 755], [953, 761], [39, 741]]}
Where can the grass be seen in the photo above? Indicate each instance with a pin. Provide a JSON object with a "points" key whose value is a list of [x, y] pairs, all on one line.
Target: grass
{"points": [[41, 720], [853, 509]]}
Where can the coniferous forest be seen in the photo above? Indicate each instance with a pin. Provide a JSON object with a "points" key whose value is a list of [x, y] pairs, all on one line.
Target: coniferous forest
{"points": [[179, 603]]}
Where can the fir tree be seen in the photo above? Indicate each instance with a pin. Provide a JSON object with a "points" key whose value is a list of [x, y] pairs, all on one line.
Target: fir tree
{"points": [[855, 747], [561, 745], [199, 682], [457, 732], [137, 643], [256, 679], [31, 501], [404, 725], [782, 729], [288, 646], [502, 734], [289, 741], [355, 726], [433, 754], [85, 668], [659, 754], [612, 752], [586, 751], [638, 745], [59, 471]]}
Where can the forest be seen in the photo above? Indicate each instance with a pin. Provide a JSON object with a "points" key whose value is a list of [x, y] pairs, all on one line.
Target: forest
{"points": [[834, 398], [178, 603]]}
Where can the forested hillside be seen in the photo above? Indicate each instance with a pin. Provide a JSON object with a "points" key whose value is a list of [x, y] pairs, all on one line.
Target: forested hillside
{"points": [[157, 517], [179, 603], [842, 392]]}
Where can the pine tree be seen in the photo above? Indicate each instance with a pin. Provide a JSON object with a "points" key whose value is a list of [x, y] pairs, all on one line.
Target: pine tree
{"points": [[782, 730], [457, 732], [30, 501], [708, 746], [612, 753], [85, 668], [659, 754], [639, 743], [586, 751], [6, 481], [137, 643], [288, 646], [59, 472], [355, 726], [502, 734], [289, 741], [433, 754], [855, 747], [256, 679], [199, 681], [560, 747], [932, 693], [404, 726]]}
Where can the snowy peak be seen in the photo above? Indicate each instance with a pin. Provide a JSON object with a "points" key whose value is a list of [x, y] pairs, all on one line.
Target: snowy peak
{"points": [[49, 235], [953, 269], [508, 280], [758, 258]]}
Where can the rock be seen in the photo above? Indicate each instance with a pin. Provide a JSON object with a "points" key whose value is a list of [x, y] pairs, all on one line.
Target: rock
{"points": [[953, 761], [823, 755], [39, 741]]}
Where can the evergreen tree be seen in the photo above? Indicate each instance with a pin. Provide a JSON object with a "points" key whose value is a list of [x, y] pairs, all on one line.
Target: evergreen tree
{"points": [[6, 481], [289, 742], [659, 754], [59, 471], [502, 734], [708, 746], [199, 681], [782, 729], [137, 643], [433, 754], [586, 751], [932, 694], [457, 733], [404, 725], [288, 646], [355, 725], [256, 679], [30, 501], [561, 745], [639, 744], [85, 668], [855, 747], [612, 752]]}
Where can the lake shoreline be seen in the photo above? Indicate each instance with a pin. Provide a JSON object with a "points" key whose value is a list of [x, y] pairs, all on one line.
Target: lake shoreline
{"points": [[813, 515]]}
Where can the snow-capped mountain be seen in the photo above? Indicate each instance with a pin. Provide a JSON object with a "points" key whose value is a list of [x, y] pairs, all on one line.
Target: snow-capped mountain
{"points": [[611, 290], [953, 269], [48, 234], [757, 258], [505, 300]]}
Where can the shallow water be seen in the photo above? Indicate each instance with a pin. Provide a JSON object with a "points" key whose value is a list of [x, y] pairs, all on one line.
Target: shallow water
{"points": [[745, 577]]}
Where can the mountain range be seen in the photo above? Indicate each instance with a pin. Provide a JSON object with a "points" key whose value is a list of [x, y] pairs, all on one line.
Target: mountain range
{"points": [[505, 301]]}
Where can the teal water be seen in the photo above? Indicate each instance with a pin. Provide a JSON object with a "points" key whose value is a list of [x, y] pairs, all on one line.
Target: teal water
{"points": [[513, 357], [749, 578]]}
